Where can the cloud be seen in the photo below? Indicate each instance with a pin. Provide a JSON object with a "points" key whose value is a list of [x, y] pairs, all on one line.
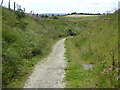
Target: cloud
{"points": [[65, 6], [96, 6]]}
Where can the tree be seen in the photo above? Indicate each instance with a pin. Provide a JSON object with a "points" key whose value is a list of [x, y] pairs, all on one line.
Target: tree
{"points": [[73, 13], [68, 13], [52, 15]]}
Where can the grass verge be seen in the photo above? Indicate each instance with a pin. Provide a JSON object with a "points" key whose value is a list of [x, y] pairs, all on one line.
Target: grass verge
{"points": [[96, 45]]}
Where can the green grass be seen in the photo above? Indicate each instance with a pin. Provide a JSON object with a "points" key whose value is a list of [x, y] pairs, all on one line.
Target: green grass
{"points": [[26, 41], [97, 44]]}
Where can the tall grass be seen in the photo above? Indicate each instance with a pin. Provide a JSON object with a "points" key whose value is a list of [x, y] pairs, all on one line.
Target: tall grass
{"points": [[26, 41], [96, 45]]}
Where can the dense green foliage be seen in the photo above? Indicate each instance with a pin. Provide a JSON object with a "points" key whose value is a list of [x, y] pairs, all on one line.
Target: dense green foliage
{"points": [[96, 45], [26, 40]]}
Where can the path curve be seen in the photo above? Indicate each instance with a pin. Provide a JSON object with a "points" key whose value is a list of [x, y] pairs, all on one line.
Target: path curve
{"points": [[49, 73]]}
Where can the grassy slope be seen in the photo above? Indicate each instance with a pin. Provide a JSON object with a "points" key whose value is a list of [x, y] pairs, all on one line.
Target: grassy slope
{"points": [[97, 45], [26, 40]]}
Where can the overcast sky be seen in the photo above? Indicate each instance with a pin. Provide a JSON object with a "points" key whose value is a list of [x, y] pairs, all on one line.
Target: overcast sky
{"points": [[66, 6]]}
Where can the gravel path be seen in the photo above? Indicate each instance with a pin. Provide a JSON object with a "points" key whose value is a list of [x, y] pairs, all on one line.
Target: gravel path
{"points": [[49, 73]]}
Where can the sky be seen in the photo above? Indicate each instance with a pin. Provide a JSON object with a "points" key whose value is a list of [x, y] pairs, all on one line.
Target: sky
{"points": [[66, 6]]}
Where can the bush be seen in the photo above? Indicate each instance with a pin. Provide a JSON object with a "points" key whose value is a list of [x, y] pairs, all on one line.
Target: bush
{"points": [[71, 32], [20, 14]]}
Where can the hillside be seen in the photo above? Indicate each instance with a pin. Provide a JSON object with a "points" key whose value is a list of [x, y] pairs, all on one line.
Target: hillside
{"points": [[97, 46], [26, 41]]}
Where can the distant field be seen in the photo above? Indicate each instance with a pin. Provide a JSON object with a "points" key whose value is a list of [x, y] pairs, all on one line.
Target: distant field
{"points": [[80, 15]]}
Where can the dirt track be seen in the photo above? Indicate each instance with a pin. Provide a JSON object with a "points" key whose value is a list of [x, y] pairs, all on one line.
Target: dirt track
{"points": [[49, 73]]}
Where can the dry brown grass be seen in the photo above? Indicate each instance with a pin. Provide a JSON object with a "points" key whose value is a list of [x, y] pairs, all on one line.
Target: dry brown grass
{"points": [[80, 15]]}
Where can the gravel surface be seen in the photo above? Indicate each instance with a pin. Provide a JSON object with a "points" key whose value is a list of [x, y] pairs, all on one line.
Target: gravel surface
{"points": [[49, 73]]}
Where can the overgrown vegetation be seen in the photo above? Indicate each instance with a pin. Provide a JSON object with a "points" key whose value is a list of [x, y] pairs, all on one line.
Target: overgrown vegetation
{"points": [[26, 40], [96, 45]]}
